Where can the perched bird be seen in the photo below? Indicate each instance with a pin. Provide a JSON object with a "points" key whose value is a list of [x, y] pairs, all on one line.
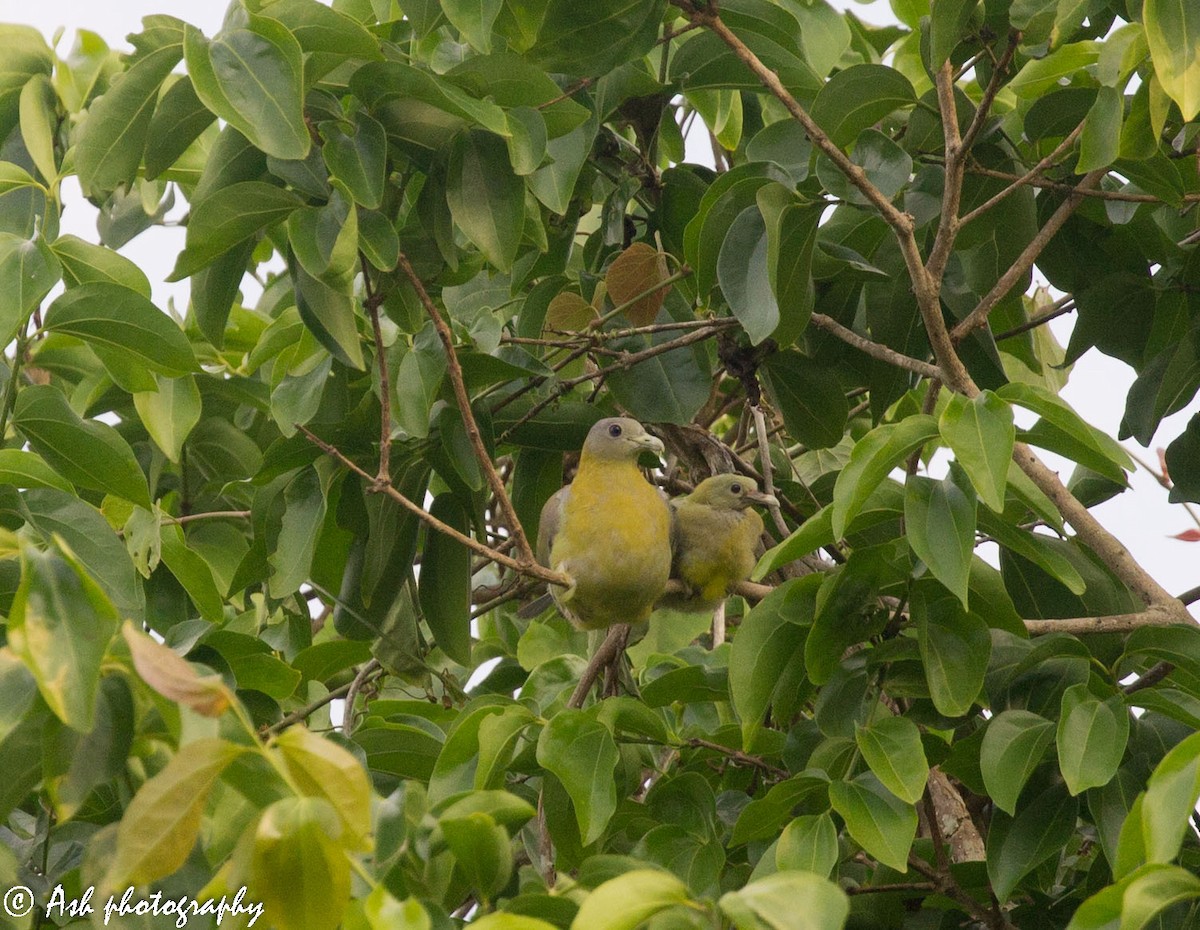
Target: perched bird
{"points": [[608, 531], [714, 534]]}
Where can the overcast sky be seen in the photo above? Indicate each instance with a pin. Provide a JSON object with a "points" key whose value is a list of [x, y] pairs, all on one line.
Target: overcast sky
{"points": [[1141, 518]]}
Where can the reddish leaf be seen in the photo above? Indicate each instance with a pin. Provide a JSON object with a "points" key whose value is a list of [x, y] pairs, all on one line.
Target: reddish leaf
{"points": [[1188, 536], [631, 274]]}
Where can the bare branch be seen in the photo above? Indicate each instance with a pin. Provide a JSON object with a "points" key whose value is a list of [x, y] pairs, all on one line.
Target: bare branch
{"points": [[1115, 623], [531, 569], [524, 550], [607, 652], [1015, 272], [876, 350], [1029, 177], [371, 303]]}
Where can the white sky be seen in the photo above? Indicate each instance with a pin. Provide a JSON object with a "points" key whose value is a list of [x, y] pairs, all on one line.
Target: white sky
{"points": [[1141, 518]]}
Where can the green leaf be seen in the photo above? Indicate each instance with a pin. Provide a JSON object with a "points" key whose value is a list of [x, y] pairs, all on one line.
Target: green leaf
{"points": [[329, 314], [86, 452], [1173, 34], [325, 240], [877, 820], [768, 637], [1171, 794], [1055, 411], [319, 28], [82, 263], [948, 23], [323, 769], [253, 78], [93, 542], [876, 454], [28, 270], [28, 470], [444, 588], [486, 198], [884, 162], [357, 158], [1041, 75], [808, 843], [304, 513], [892, 748], [482, 849], [1092, 735], [60, 625], [191, 571], [981, 434], [38, 108], [114, 136], [1013, 745], [162, 821], [1036, 548], [300, 837], [594, 38], [627, 901], [582, 755], [230, 216], [170, 413], [791, 235], [813, 533], [1015, 847], [859, 97], [939, 520], [474, 19], [1101, 137], [178, 121], [773, 900], [742, 272], [955, 646], [115, 318], [14, 177]]}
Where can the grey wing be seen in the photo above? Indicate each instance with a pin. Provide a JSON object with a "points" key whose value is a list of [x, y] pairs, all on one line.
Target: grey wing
{"points": [[549, 522]]}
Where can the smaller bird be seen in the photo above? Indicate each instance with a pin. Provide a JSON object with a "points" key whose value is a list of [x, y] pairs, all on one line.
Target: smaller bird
{"points": [[714, 534], [608, 531]]}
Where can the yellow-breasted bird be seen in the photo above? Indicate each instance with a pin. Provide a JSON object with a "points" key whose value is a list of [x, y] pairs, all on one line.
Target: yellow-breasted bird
{"points": [[714, 537], [608, 531]]}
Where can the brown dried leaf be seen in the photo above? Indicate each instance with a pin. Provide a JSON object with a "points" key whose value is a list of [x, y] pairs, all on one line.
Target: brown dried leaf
{"points": [[170, 675], [631, 274], [569, 313]]}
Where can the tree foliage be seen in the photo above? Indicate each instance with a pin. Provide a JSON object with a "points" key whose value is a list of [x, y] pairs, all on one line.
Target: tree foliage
{"points": [[428, 245]]}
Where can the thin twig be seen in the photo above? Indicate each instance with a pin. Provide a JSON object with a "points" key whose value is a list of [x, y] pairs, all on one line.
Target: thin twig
{"points": [[1062, 187], [210, 515], [371, 303], [352, 693], [9, 400], [1029, 177], [764, 456], [1061, 307], [608, 651], [569, 92], [308, 710], [736, 755], [1017, 270], [533, 570], [875, 349], [525, 556]]}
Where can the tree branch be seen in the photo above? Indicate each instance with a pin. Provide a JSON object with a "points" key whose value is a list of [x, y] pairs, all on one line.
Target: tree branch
{"points": [[524, 550], [1115, 623], [1029, 177], [1015, 272], [876, 350], [606, 653], [371, 303], [531, 569]]}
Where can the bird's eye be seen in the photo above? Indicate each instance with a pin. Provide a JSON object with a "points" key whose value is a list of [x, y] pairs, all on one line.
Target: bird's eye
{"points": [[735, 488], [615, 430]]}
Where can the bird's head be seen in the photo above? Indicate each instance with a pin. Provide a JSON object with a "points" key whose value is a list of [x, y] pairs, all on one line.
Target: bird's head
{"points": [[617, 439], [730, 492]]}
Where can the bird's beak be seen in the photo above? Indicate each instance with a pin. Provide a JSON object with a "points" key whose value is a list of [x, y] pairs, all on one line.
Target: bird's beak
{"points": [[650, 443], [758, 497]]}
